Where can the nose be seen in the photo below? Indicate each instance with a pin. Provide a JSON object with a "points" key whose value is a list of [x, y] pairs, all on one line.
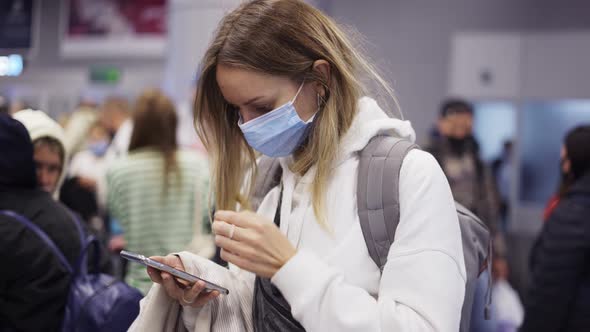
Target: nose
{"points": [[43, 178], [247, 116]]}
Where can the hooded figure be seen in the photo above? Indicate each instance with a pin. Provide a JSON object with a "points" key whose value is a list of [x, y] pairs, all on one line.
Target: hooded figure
{"points": [[34, 285], [49, 150], [17, 168], [558, 297], [35, 302]]}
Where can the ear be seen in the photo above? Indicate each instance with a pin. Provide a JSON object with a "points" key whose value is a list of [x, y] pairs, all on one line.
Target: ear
{"points": [[322, 68], [441, 125], [566, 167]]}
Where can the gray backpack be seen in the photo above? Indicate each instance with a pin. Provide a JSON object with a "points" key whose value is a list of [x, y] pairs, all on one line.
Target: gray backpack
{"points": [[379, 212]]}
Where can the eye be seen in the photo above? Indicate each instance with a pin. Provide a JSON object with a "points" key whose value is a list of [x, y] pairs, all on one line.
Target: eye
{"points": [[54, 169], [263, 109]]}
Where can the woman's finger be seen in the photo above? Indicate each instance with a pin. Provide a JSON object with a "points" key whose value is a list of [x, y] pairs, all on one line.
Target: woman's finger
{"points": [[171, 260], [259, 268], [154, 275], [228, 230], [237, 247], [241, 262], [170, 286], [189, 296], [237, 234], [242, 220]]}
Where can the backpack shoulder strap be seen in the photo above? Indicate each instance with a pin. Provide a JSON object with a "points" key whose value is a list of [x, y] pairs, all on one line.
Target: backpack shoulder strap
{"points": [[268, 176], [41, 234], [378, 193], [86, 242]]}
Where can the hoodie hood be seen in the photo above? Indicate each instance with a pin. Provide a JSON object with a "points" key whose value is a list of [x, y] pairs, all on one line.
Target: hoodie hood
{"points": [[371, 121], [40, 125], [17, 168]]}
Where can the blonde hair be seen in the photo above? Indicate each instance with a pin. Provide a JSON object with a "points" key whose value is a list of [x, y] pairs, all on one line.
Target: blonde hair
{"points": [[282, 38]]}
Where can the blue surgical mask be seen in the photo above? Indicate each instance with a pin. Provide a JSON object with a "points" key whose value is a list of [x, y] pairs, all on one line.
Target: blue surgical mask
{"points": [[277, 133], [98, 148]]}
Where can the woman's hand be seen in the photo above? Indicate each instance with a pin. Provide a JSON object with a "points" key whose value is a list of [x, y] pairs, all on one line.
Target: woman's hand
{"points": [[251, 242], [179, 289]]}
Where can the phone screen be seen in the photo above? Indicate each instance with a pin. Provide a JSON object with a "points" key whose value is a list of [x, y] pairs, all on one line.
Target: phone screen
{"points": [[191, 279]]}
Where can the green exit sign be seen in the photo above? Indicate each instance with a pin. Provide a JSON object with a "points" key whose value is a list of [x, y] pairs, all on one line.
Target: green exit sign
{"points": [[107, 75]]}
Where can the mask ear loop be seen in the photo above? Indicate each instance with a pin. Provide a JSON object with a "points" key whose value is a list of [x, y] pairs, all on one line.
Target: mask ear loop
{"points": [[298, 91], [320, 103]]}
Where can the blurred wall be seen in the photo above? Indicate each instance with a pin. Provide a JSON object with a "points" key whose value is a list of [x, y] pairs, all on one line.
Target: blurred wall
{"points": [[47, 73], [410, 40]]}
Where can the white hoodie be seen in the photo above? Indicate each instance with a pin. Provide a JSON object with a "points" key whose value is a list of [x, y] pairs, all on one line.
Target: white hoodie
{"points": [[332, 284], [39, 125]]}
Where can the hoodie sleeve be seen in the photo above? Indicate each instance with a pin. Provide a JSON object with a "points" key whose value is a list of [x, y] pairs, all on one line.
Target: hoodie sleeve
{"points": [[231, 312], [423, 283]]}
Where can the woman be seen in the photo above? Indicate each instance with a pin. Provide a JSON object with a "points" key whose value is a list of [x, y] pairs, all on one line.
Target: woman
{"points": [[282, 79], [49, 149], [566, 179], [87, 165], [155, 192], [79, 191], [559, 295]]}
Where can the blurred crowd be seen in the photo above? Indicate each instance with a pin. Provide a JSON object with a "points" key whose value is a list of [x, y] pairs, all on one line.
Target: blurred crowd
{"points": [[119, 167], [558, 291]]}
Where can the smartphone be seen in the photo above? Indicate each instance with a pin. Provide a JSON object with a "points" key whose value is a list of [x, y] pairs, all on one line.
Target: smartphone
{"points": [[189, 278]]}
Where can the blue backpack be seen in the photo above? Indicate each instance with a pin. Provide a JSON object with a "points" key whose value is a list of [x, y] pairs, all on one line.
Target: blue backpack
{"points": [[96, 302]]}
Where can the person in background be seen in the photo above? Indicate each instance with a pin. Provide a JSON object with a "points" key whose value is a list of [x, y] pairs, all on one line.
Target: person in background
{"points": [[153, 191], [4, 105], [88, 165], [85, 170], [566, 181], [50, 153], [115, 117], [472, 184], [559, 295], [78, 124], [502, 171], [457, 151], [34, 285]]}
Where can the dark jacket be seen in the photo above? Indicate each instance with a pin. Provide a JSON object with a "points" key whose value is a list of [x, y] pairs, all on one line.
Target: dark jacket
{"points": [[483, 199], [559, 297], [34, 284]]}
